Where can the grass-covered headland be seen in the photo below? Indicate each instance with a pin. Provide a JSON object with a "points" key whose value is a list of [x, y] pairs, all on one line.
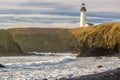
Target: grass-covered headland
{"points": [[100, 40], [96, 40]]}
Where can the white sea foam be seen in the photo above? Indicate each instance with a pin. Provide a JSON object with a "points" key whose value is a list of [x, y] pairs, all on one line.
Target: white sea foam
{"points": [[53, 67], [61, 60], [51, 54]]}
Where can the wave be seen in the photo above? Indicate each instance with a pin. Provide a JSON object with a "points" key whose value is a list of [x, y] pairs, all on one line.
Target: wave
{"points": [[65, 59], [51, 54]]}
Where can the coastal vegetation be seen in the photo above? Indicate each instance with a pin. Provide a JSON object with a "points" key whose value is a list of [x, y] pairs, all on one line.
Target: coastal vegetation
{"points": [[99, 40], [42, 39], [8, 47]]}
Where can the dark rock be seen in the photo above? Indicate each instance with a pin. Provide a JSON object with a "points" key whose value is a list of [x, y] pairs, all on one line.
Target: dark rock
{"points": [[100, 66], [45, 79], [118, 68], [2, 66], [62, 79]]}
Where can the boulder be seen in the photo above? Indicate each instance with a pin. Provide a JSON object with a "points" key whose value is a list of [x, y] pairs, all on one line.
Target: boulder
{"points": [[2, 66]]}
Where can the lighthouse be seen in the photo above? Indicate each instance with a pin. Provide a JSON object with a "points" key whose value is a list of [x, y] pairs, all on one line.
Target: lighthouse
{"points": [[83, 20]]}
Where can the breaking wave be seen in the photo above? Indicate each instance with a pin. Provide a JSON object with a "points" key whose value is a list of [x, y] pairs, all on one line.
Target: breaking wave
{"points": [[65, 59], [51, 54]]}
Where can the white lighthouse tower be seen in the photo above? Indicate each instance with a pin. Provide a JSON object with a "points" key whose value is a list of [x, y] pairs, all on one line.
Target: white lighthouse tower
{"points": [[83, 20]]}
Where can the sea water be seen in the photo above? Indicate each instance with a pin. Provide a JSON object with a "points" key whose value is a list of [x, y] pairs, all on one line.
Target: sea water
{"points": [[53, 66]]}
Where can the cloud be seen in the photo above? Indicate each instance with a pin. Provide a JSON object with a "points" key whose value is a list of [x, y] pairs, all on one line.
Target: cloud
{"points": [[36, 25], [37, 18], [103, 6], [55, 13]]}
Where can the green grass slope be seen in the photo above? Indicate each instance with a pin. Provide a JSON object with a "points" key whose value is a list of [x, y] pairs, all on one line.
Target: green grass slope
{"points": [[100, 40], [8, 47]]}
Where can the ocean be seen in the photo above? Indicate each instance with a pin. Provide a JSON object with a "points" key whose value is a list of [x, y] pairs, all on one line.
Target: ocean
{"points": [[53, 66]]}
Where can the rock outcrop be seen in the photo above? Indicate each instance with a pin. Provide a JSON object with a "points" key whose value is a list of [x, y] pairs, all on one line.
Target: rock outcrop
{"points": [[2, 66], [8, 47]]}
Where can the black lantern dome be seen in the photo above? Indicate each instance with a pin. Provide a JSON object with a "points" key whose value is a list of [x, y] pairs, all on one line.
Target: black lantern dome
{"points": [[83, 8]]}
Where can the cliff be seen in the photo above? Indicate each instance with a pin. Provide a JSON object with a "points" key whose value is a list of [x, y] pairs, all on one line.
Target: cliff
{"points": [[99, 40], [42, 39], [8, 47]]}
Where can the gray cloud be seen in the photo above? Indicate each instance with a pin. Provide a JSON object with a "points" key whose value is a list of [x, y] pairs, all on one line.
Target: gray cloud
{"points": [[55, 5], [61, 11], [16, 11], [38, 20]]}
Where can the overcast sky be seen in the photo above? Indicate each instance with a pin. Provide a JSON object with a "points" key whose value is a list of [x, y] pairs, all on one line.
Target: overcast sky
{"points": [[55, 13]]}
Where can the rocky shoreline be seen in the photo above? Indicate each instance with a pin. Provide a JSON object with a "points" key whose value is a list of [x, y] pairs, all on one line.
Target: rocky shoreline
{"points": [[107, 75]]}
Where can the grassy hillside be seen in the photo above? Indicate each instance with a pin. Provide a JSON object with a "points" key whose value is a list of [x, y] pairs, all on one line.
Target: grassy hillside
{"points": [[102, 39], [42, 39], [7, 45]]}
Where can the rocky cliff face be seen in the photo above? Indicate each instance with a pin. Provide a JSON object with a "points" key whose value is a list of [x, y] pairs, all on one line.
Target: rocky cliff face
{"points": [[8, 47], [42, 39]]}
